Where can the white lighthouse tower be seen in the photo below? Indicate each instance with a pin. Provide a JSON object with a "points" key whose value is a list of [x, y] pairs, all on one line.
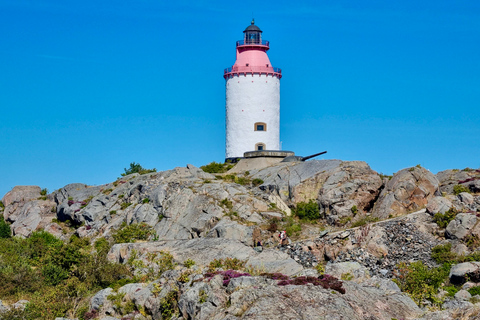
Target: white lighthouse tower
{"points": [[252, 98]]}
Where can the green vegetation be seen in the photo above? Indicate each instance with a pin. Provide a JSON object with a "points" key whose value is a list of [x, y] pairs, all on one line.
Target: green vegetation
{"points": [[451, 290], [146, 200], [443, 254], [459, 188], [364, 221], [5, 231], [291, 226], [307, 210], [189, 263], [2, 206], [256, 182], [202, 296], [168, 304], [137, 168], [474, 291], [354, 210], [443, 219], [44, 192], [226, 264], [133, 232], [420, 282], [227, 204], [214, 167], [125, 205], [57, 278]]}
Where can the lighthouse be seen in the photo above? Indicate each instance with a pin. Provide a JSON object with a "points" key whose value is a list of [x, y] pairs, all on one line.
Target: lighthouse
{"points": [[252, 98]]}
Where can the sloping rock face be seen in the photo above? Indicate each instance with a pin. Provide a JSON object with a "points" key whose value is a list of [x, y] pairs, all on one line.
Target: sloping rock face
{"points": [[204, 250], [337, 186], [409, 190], [259, 297]]}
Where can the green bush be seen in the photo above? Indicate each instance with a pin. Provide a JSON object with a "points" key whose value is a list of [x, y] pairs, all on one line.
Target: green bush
{"points": [[354, 210], [189, 263], [56, 277], [2, 206], [135, 231], [137, 168], [214, 167], [443, 220], [44, 192], [421, 282], [451, 290], [457, 189], [474, 291], [442, 253], [308, 211], [5, 231], [256, 182]]}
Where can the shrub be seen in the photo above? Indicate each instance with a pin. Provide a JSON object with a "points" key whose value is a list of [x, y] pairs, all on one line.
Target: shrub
{"points": [[308, 211], [214, 167], [168, 304], [227, 203], [189, 263], [474, 291], [228, 263], [442, 253], [2, 206], [420, 282], [242, 180], [256, 182], [146, 200], [459, 188], [137, 168], [443, 220], [125, 205], [354, 210], [5, 231], [44, 192], [451, 290], [135, 231]]}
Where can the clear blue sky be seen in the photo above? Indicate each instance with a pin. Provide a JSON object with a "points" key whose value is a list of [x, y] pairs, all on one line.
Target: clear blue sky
{"points": [[86, 87]]}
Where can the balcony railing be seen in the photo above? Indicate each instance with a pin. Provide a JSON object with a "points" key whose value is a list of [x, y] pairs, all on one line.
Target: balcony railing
{"points": [[228, 72], [253, 42]]}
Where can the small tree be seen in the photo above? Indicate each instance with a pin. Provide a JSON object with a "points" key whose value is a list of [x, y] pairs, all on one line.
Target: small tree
{"points": [[137, 168], [309, 211], [5, 231]]}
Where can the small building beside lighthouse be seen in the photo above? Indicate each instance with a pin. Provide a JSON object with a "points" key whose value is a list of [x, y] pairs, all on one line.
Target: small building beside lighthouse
{"points": [[252, 98]]}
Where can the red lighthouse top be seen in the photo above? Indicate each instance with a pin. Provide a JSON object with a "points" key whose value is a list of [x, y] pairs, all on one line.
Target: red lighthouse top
{"points": [[252, 55]]}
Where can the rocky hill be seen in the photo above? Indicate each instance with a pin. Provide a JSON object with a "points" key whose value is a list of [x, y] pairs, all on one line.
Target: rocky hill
{"points": [[198, 258]]}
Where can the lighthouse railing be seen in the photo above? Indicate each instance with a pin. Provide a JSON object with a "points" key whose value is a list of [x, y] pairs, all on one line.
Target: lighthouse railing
{"points": [[253, 42]]}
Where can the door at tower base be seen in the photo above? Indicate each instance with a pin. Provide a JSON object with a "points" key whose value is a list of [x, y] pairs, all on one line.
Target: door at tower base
{"points": [[252, 114]]}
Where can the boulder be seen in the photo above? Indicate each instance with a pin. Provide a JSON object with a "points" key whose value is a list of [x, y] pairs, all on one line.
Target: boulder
{"points": [[33, 215], [460, 272], [348, 270], [336, 186], [461, 226], [409, 190], [438, 205], [21, 194], [100, 298], [463, 295]]}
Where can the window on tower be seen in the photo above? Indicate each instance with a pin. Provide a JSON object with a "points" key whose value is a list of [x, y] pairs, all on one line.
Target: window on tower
{"points": [[260, 126], [260, 146]]}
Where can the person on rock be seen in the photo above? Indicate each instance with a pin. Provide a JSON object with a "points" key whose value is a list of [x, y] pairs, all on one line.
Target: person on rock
{"points": [[282, 237]]}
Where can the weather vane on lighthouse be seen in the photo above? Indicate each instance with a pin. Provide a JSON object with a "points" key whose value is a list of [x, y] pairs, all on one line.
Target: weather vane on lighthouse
{"points": [[252, 98]]}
